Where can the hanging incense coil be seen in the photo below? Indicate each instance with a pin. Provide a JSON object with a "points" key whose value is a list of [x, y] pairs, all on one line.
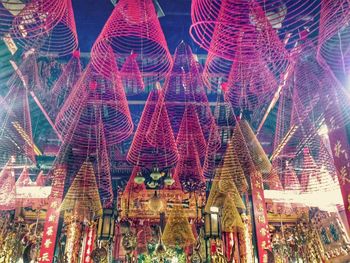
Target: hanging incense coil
{"points": [[94, 97], [46, 26], [131, 76], [231, 218], [60, 91], [178, 231], [183, 86], [153, 144], [133, 27], [83, 193], [8, 189], [228, 28]]}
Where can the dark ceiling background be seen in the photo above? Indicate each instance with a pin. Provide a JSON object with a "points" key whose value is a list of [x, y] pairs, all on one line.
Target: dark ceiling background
{"points": [[91, 15]]}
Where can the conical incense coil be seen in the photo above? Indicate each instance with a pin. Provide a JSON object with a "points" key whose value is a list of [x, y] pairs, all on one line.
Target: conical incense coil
{"points": [[60, 91], [231, 17], [229, 27], [131, 75], [214, 144], [93, 96], [178, 231], [133, 26], [184, 85], [83, 193], [24, 179], [46, 26], [188, 168], [231, 172], [250, 84], [290, 179], [7, 187], [334, 36], [256, 151], [231, 218], [16, 126], [190, 132], [103, 169], [154, 123]]}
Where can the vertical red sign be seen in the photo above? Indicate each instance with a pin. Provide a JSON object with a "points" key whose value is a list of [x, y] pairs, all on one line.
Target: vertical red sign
{"points": [[48, 243], [260, 217], [89, 243]]}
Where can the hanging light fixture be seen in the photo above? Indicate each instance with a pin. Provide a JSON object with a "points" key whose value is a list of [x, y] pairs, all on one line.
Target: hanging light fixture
{"points": [[156, 203], [106, 225], [139, 179], [212, 228], [156, 175], [169, 180]]}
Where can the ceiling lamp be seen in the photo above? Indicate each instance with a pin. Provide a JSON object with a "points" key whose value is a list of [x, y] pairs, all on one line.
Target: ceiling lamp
{"points": [[169, 180], [156, 175], [139, 179], [156, 203]]}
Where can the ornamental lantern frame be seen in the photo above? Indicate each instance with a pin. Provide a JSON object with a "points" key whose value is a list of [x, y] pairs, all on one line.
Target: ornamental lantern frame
{"points": [[106, 225], [212, 223]]}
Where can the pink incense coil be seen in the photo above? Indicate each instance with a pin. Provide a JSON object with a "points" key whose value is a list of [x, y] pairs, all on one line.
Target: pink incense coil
{"points": [[190, 133], [290, 179], [47, 26], [7, 188], [24, 179], [154, 124], [314, 177], [40, 179], [274, 182], [216, 71], [16, 123], [334, 35], [292, 21], [227, 28], [188, 168], [60, 91], [250, 84], [102, 169], [184, 86], [92, 97], [214, 144], [133, 27], [131, 76], [317, 91]]}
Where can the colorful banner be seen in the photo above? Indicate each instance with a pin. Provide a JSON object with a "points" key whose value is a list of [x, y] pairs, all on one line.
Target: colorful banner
{"points": [[89, 243], [48, 243], [47, 249], [260, 217], [341, 151]]}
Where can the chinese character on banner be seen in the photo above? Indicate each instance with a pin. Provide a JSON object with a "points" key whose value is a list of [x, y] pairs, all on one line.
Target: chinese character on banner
{"points": [[47, 249], [260, 215], [340, 146]]}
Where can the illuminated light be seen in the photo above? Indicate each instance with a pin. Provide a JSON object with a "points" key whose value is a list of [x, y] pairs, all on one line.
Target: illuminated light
{"points": [[323, 130], [325, 200], [26, 137]]}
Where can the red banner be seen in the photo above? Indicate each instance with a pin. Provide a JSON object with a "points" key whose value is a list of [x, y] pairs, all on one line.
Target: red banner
{"points": [[89, 243], [47, 249], [341, 151], [260, 217], [48, 243]]}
